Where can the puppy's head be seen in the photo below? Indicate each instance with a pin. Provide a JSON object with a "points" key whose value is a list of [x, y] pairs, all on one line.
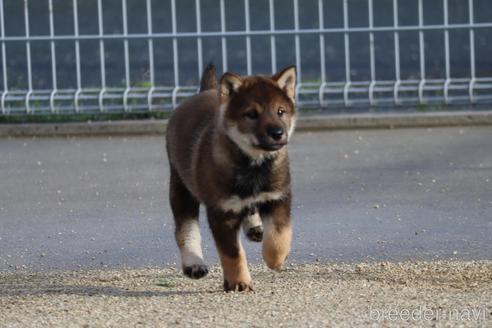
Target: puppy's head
{"points": [[258, 112]]}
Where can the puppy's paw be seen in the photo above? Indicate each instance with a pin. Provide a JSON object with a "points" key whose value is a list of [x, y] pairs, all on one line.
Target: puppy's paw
{"points": [[255, 233], [239, 286], [195, 271]]}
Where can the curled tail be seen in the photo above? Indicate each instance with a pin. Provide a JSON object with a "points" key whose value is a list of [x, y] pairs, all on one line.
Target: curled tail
{"points": [[209, 80]]}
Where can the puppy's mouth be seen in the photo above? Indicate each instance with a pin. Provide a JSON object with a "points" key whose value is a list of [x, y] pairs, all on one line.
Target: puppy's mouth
{"points": [[271, 146]]}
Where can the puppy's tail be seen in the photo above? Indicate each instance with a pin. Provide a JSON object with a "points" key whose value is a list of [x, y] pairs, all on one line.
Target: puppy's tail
{"points": [[209, 80]]}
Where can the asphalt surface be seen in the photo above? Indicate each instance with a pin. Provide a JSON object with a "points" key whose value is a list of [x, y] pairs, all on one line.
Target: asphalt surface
{"points": [[406, 194]]}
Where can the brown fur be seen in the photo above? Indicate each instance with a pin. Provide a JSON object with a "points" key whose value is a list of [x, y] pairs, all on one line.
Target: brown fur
{"points": [[226, 150], [277, 236]]}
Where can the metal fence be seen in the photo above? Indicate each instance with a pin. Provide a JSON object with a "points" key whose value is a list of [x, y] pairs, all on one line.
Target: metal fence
{"points": [[62, 56]]}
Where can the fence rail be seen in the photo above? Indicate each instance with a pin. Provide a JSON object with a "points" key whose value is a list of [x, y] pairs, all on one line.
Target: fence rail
{"points": [[334, 58]]}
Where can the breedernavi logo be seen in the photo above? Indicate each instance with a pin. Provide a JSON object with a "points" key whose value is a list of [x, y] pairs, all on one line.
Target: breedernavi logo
{"points": [[479, 314]]}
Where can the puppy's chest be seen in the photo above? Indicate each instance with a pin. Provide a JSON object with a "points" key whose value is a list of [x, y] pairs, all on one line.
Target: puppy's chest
{"points": [[252, 180], [251, 185]]}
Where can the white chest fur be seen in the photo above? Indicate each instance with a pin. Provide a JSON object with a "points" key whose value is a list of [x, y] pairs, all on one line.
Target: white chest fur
{"points": [[236, 204]]}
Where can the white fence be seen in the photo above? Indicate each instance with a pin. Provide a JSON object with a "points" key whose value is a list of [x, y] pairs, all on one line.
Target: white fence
{"points": [[381, 53]]}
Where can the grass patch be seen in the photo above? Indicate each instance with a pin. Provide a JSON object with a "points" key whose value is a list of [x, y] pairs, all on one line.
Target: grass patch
{"points": [[431, 108], [164, 282], [63, 118]]}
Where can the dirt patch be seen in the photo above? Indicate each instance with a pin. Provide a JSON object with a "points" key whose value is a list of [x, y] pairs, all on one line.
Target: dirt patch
{"points": [[311, 295]]}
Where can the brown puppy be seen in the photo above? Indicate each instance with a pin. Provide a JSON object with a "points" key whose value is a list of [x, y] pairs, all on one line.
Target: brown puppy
{"points": [[227, 150]]}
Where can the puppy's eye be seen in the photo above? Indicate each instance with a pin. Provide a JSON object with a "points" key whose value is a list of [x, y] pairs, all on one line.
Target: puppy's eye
{"points": [[281, 111], [252, 114]]}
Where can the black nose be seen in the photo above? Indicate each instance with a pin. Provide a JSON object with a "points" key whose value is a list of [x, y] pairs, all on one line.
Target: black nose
{"points": [[275, 132]]}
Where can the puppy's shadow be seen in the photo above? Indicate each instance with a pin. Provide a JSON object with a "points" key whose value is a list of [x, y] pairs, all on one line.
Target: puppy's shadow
{"points": [[87, 290], [33, 285]]}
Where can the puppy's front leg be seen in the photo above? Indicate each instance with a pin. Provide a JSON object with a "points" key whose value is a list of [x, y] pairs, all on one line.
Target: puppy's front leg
{"points": [[225, 229], [185, 209], [277, 235]]}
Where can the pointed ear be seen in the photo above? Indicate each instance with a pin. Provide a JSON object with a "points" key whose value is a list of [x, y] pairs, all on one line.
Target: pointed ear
{"points": [[229, 84], [286, 80]]}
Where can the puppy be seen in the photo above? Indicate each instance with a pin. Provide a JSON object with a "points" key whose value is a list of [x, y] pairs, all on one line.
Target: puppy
{"points": [[227, 150]]}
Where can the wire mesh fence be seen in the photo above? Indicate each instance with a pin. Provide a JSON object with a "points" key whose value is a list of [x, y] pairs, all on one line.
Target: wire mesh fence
{"points": [[90, 56]]}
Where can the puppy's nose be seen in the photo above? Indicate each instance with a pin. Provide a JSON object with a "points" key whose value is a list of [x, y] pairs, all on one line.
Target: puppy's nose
{"points": [[275, 132]]}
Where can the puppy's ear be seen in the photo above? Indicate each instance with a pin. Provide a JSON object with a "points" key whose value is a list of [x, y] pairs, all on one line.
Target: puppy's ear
{"points": [[229, 84], [286, 80]]}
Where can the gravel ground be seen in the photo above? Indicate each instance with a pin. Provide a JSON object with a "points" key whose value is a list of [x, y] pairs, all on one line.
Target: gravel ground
{"points": [[437, 294]]}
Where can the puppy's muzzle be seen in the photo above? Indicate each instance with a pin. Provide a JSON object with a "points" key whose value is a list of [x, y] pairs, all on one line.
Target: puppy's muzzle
{"points": [[275, 132], [273, 138]]}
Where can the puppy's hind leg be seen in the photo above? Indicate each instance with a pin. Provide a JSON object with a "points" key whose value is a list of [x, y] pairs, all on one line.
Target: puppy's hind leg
{"points": [[252, 226], [185, 209]]}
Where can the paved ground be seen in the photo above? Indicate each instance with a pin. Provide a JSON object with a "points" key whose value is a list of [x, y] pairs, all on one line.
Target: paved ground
{"points": [[419, 194]]}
